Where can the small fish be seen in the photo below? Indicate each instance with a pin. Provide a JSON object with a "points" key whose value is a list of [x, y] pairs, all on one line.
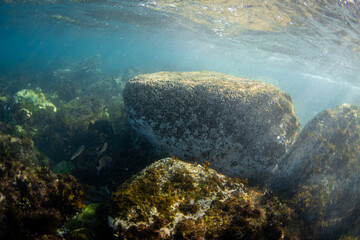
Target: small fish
{"points": [[275, 168], [105, 160], [78, 152], [103, 149]]}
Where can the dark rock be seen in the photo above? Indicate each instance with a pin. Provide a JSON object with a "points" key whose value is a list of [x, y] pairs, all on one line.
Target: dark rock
{"points": [[242, 127], [171, 199], [321, 173], [34, 202]]}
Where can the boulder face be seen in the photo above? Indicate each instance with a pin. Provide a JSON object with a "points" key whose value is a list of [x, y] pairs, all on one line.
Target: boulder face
{"points": [[321, 173], [171, 199], [241, 126]]}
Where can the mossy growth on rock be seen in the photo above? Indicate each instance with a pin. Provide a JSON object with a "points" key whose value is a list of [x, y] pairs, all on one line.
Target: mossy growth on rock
{"points": [[69, 127], [321, 174], [28, 109], [89, 224], [171, 199], [33, 99], [34, 201]]}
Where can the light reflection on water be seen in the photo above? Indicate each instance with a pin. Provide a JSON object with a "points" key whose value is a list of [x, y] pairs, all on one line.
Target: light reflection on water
{"points": [[310, 48]]}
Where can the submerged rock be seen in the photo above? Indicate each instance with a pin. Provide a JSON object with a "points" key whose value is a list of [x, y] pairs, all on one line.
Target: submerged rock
{"points": [[30, 107], [171, 199], [33, 99], [321, 173], [34, 202], [242, 127]]}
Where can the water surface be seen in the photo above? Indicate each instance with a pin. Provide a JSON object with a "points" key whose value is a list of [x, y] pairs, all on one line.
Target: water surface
{"points": [[310, 50]]}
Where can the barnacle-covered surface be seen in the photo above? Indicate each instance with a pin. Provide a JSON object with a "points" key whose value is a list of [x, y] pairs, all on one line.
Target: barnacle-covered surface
{"points": [[241, 126], [34, 201], [173, 199], [321, 173]]}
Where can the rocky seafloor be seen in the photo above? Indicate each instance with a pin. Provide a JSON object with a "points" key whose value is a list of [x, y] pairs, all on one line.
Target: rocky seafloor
{"points": [[80, 150]]}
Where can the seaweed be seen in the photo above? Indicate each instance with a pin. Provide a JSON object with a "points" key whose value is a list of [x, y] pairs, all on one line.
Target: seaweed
{"points": [[36, 201]]}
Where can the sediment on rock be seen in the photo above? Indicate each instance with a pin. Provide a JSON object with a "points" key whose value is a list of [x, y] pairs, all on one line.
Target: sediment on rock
{"points": [[241, 126]]}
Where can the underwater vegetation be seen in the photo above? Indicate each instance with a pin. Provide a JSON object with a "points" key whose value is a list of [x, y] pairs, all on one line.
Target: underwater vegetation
{"points": [[76, 105], [57, 135], [171, 199], [91, 223], [317, 173], [53, 121], [80, 142], [34, 202], [321, 174]]}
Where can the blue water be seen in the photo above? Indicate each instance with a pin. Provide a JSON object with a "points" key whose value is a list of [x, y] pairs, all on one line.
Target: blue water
{"points": [[316, 59]]}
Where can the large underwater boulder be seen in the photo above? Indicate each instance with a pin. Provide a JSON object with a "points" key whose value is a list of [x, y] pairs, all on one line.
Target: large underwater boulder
{"points": [[241, 126], [322, 173], [171, 199]]}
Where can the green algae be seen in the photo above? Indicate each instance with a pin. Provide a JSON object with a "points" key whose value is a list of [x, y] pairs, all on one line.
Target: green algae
{"points": [[346, 237], [63, 167], [86, 218], [33, 100]]}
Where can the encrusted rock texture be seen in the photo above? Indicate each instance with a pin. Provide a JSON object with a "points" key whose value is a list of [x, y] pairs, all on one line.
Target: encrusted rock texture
{"points": [[241, 126], [321, 174], [171, 199]]}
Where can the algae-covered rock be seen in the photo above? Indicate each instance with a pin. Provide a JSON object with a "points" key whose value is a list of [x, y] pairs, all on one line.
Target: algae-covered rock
{"points": [[33, 99], [321, 173], [241, 126], [171, 199], [34, 202], [90, 224], [84, 97], [3, 99], [30, 108], [69, 128]]}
